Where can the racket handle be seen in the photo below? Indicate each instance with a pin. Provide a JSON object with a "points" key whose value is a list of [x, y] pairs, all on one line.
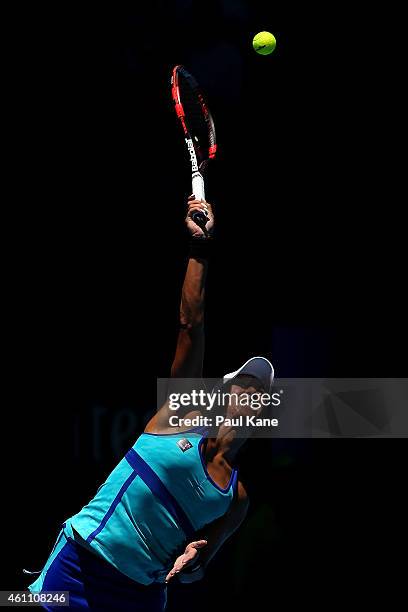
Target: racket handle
{"points": [[198, 186], [199, 193]]}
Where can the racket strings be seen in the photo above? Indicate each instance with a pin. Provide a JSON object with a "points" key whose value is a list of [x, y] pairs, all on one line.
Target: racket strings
{"points": [[194, 114]]}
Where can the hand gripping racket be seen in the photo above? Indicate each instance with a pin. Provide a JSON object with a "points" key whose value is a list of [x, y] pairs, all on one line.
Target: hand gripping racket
{"points": [[199, 131]]}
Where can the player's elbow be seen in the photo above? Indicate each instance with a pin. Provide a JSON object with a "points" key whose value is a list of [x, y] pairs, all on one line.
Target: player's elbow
{"points": [[242, 509], [197, 323], [242, 503], [192, 320]]}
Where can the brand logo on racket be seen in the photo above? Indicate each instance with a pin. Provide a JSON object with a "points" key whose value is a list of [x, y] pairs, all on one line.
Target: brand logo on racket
{"points": [[184, 444], [193, 157]]}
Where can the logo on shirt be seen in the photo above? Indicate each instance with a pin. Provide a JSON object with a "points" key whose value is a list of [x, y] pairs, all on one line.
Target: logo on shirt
{"points": [[184, 444]]}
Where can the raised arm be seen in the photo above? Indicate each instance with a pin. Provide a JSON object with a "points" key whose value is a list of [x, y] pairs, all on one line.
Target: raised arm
{"points": [[188, 360], [189, 356]]}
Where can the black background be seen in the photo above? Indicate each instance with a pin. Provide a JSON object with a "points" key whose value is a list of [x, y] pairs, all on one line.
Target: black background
{"points": [[308, 268]]}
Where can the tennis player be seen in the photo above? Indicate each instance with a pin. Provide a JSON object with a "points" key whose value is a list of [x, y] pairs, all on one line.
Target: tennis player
{"points": [[173, 500]]}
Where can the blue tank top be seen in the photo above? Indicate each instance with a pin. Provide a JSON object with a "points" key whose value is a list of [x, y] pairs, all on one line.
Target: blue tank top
{"points": [[151, 505]]}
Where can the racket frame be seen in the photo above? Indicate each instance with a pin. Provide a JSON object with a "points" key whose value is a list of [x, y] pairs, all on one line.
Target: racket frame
{"points": [[198, 159]]}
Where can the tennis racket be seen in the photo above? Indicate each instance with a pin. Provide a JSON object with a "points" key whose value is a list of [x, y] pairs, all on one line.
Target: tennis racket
{"points": [[199, 131]]}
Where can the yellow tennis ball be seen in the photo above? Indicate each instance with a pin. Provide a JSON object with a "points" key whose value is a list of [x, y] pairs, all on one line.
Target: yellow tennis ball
{"points": [[264, 43]]}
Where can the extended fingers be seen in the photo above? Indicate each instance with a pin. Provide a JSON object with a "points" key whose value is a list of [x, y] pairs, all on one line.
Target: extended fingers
{"points": [[183, 560], [198, 544], [170, 575], [178, 566]]}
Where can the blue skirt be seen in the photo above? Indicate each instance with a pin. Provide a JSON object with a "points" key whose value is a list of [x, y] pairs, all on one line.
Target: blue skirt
{"points": [[93, 583]]}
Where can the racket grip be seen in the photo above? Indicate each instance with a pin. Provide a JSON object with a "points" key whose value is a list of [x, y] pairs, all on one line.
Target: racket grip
{"points": [[198, 186], [199, 193]]}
